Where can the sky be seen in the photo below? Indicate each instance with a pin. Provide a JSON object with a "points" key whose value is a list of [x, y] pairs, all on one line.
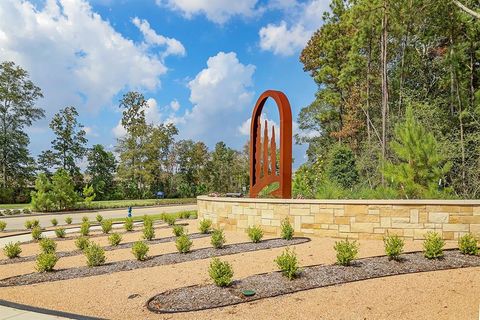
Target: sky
{"points": [[200, 63]]}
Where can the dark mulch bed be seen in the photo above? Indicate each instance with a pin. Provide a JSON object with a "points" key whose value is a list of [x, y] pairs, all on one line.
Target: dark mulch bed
{"points": [[125, 245], [164, 259], [267, 285]]}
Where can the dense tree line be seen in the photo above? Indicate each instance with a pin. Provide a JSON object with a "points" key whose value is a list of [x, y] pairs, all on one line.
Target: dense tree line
{"points": [[398, 89], [147, 159]]}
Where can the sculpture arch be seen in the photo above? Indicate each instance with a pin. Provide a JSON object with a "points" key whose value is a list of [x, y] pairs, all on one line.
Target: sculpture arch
{"points": [[264, 173]]}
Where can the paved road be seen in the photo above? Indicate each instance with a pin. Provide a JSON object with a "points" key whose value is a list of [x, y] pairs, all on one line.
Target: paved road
{"points": [[14, 223]]}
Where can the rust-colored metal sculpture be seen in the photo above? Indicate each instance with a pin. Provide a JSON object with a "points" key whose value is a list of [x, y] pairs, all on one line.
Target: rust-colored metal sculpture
{"points": [[262, 171]]}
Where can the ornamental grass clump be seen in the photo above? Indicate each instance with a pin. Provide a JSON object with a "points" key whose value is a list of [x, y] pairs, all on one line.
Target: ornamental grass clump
{"points": [[255, 233], [68, 220], [183, 243], [148, 230], [128, 225], [107, 226], [84, 219], [95, 255], [217, 239], [220, 272], [205, 226], [140, 250], [12, 250], [287, 263], [346, 251], [85, 228], [82, 243], [36, 233], [54, 222], [60, 232], [170, 219], [47, 245], [433, 245], [99, 218], [28, 224], [3, 225], [287, 230], [114, 239], [467, 244], [178, 230], [46, 261], [393, 246]]}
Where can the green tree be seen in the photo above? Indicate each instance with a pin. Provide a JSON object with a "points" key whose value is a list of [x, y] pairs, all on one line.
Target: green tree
{"points": [[101, 170], [341, 167], [63, 189], [43, 198], [88, 194]]}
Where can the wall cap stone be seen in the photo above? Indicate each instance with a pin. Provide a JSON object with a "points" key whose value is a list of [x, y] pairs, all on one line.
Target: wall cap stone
{"points": [[434, 202]]}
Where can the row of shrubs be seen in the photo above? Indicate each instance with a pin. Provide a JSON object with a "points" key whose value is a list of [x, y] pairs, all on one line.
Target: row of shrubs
{"points": [[14, 212]]}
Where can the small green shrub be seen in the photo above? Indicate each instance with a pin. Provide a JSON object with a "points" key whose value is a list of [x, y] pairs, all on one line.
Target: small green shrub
{"points": [[28, 224], [205, 226], [287, 230], [7, 212], [46, 261], [82, 243], [68, 220], [193, 215], [114, 239], [183, 243], [95, 255], [148, 231], [220, 272], [84, 219], [47, 245], [107, 226], [128, 225], [99, 218], [184, 215], [217, 239], [433, 245], [393, 246], [287, 263], [170, 219], [54, 222], [140, 250], [26, 211], [255, 233], [178, 230], [467, 244], [12, 250], [36, 233], [60, 232], [85, 228], [346, 251], [3, 225], [16, 211]]}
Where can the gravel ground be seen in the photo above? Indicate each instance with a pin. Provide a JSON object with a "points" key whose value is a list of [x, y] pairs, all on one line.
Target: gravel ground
{"points": [[267, 285], [154, 261]]}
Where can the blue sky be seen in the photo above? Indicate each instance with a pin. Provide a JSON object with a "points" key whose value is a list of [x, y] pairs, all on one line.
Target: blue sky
{"points": [[201, 63]]}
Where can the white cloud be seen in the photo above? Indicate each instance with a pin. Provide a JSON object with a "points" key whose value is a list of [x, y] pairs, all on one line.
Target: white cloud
{"points": [[287, 38], [90, 132], [174, 105], [218, 11], [244, 129], [77, 57]]}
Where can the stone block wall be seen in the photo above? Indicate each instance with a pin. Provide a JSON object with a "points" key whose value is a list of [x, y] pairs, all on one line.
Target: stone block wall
{"points": [[355, 219]]}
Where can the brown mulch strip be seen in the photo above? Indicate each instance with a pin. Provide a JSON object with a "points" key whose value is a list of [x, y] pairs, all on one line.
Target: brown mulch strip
{"points": [[154, 261], [272, 284], [125, 245]]}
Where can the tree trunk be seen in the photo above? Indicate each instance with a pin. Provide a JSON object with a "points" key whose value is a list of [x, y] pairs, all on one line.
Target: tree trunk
{"points": [[383, 61]]}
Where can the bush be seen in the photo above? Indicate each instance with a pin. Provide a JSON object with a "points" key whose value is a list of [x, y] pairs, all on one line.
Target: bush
{"points": [[346, 251], [184, 215], [107, 226], [287, 263], [12, 250], [183, 243], [255, 233], [128, 224], [433, 245], [48, 245], [26, 211], [140, 250], [148, 230], [46, 261], [99, 218], [28, 224], [114, 239], [35, 223], [169, 219], [95, 255], [205, 226], [178, 230], [221, 272], [68, 220], [54, 222], [393, 246], [7, 212], [84, 219], [193, 215], [468, 245], [287, 230], [85, 228], [82, 243], [3, 225], [36, 233], [218, 239], [60, 232], [16, 211]]}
